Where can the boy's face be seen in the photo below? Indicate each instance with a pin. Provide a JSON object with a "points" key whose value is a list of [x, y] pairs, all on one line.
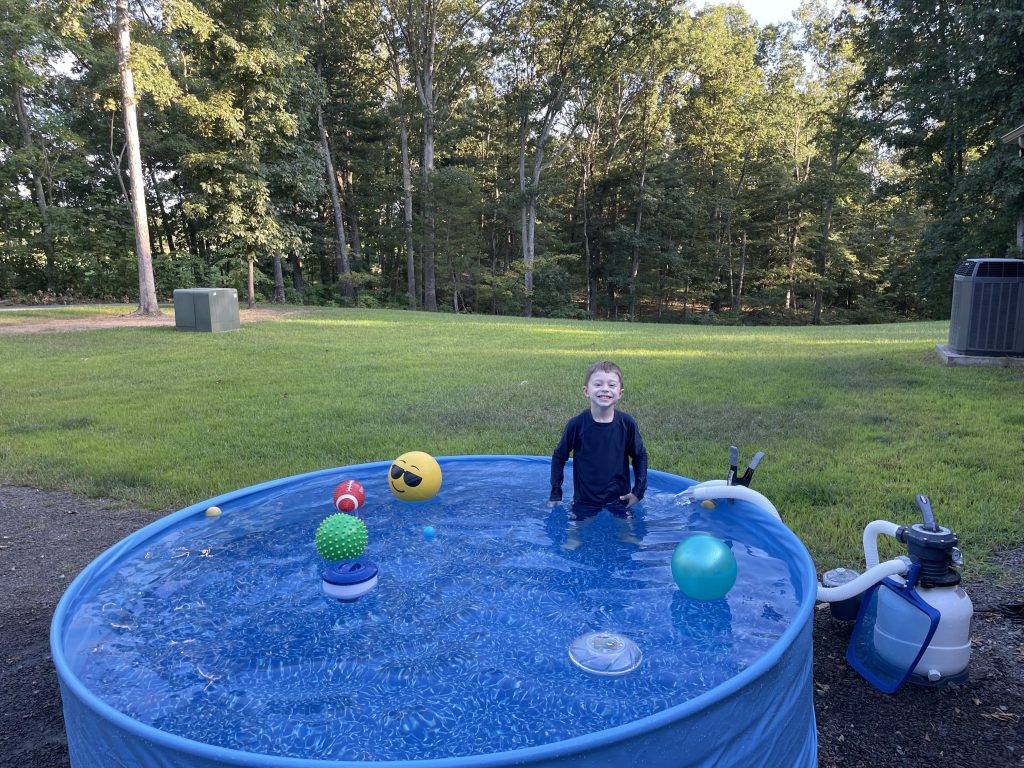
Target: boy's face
{"points": [[603, 389]]}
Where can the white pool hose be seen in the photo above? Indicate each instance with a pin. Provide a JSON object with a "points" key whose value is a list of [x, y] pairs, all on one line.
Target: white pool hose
{"points": [[867, 579], [871, 533], [717, 489]]}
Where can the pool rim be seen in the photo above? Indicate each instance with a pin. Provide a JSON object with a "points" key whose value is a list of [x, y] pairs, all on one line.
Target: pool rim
{"points": [[524, 756]]}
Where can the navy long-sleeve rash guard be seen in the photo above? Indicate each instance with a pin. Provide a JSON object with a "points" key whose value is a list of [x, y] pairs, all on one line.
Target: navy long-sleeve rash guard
{"points": [[601, 456]]}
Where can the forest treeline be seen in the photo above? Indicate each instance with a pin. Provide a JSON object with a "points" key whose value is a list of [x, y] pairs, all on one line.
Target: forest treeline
{"points": [[632, 159]]}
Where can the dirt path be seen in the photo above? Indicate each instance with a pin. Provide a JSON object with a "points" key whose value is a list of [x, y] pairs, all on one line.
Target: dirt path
{"points": [[26, 324], [47, 537]]}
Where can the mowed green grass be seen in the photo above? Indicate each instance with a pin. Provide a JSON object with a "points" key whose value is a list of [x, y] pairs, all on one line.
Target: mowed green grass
{"points": [[854, 420], [28, 315]]}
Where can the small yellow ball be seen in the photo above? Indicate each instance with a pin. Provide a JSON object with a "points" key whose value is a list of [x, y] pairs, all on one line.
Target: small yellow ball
{"points": [[708, 503], [213, 512]]}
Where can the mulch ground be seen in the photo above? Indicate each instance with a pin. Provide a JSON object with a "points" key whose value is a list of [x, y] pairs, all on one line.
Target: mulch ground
{"points": [[47, 537]]}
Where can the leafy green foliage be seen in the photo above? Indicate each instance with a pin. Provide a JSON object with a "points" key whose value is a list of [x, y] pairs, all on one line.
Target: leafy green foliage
{"points": [[689, 165], [947, 81]]}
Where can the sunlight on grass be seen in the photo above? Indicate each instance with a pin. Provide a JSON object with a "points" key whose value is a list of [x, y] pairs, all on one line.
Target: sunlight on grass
{"points": [[343, 322], [30, 315], [854, 420], [574, 332]]}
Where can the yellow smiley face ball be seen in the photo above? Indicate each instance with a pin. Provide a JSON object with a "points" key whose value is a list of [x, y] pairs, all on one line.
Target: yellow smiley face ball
{"points": [[414, 476]]}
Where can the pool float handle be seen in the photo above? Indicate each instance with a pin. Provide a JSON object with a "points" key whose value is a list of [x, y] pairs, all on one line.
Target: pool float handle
{"points": [[734, 460], [749, 474], [925, 505]]}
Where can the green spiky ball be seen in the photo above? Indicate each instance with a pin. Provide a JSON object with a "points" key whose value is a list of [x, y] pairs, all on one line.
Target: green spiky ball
{"points": [[341, 537]]}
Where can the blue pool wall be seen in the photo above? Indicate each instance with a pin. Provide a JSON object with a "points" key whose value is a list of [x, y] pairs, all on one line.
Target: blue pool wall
{"points": [[762, 716]]}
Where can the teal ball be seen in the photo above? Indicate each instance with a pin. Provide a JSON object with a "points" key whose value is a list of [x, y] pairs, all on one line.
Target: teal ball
{"points": [[704, 567], [341, 537]]}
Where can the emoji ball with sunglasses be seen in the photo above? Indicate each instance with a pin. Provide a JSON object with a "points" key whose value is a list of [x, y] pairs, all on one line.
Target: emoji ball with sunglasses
{"points": [[414, 476]]}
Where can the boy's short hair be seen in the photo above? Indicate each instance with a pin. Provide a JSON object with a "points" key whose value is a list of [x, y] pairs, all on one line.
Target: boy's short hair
{"points": [[604, 367]]}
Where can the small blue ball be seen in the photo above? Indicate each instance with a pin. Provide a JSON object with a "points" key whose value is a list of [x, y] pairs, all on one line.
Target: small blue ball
{"points": [[704, 567], [429, 533]]}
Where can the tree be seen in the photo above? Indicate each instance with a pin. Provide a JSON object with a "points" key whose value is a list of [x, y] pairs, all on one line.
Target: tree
{"points": [[621, 113], [398, 89], [440, 41], [546, 54], [147, 286], [721, 123], [248, 105], [842, 132], [25, 49], [620, 158], [951, 79], [340, 244]]}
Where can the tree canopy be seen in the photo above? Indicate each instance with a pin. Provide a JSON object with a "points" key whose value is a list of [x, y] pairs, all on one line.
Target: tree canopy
{"points": [[632, 159]]}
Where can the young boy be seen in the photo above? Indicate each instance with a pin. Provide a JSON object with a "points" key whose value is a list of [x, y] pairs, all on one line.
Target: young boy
{"points": [[602, 442]]}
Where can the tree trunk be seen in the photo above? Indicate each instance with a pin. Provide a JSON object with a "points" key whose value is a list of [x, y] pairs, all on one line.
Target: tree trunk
{"points": [[347, 184], [403, 131], [340, 247], [418, 36], [494, 234], [156, 238], [821, 261], [533, 192], [529, 192], [191, 240], [38, 190], [407, 189], [661, 292], [278, 279], [524, 218], [165, 220], [147, 286], [737, 299], [531, 231], [429, 279], [252, 284], [728, 257], [297, 281], [587, 259], [451, 273], [422, 55], [793, 220], [791, 241], [635, 265]]}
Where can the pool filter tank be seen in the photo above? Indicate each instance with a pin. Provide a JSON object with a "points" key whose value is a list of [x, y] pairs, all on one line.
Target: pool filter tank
{"points": [[914, 619], [948, 653]]}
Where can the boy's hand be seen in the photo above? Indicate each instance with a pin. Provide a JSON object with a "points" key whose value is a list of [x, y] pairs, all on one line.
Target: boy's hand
{"points": [[630, 500]]}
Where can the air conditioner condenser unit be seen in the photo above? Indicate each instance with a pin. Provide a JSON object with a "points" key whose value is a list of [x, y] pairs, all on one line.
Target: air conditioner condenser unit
{"points": [[988, 308]]}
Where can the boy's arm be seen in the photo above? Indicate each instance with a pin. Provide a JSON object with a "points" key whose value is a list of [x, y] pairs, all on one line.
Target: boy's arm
{"points": [[638, 453], [558, 459]]}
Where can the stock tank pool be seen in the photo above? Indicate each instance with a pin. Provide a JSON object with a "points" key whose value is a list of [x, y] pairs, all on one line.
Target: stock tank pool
{"points": [[207, 641]]}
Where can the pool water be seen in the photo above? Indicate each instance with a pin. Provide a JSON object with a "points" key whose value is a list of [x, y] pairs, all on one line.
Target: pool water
{"points": [[216, 629]]}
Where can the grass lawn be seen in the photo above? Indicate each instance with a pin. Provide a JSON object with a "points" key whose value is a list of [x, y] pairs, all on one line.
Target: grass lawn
{"points": [[23, 315], [854, 419]]}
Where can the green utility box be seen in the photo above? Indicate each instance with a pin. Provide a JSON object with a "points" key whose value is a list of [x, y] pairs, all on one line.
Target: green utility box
{"points": [[206, 309]]}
